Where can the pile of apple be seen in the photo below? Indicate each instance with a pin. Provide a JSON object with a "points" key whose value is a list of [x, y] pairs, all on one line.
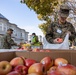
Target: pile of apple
{"points": [[40, 50], [27, 66], [34, 49]]}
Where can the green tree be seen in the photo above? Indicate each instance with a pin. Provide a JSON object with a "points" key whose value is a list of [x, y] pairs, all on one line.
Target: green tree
{"points": [[44, 9]]}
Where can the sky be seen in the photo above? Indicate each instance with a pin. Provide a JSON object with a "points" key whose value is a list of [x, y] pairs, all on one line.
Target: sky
{"points": [[20, 15]]}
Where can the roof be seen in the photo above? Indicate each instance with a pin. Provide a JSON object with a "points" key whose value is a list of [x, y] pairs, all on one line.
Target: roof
{"points": [[1, 16]]}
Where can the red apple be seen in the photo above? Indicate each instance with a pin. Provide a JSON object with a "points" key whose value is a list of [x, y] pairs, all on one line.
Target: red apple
{"points": [[37, 68], [59, 61], [35, 50], [33, 74], [21, 69], [42, 50], [53, 68], [29, 62], [54, 73], [67, 69], [47, 61], [17, 61], [14, 73], [23, 58], [5, 67], [59, 40], [47, 50]]}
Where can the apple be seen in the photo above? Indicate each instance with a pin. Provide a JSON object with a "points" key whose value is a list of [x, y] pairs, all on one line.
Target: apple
{"points": [[33, 74], [21, 69], [17, 61], [29, 62], [42, 50], [47, 50], [53, 68], [5, 67], [20, 49], [67, 69], [37, 68], [23, 58], [35, 50], [26, 48], [47, 62], [54, 73], [14, 73], [59, 40], [60, 61]]}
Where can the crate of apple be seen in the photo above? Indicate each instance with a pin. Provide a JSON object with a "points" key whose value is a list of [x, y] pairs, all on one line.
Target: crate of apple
{"points": [[28, 66]]}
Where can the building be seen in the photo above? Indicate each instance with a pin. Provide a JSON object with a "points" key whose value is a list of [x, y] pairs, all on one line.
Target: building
{"points": [[19, 35]]}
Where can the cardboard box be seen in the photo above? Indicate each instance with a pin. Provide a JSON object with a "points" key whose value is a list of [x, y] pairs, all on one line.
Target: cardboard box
{"points": [[67, 54]]}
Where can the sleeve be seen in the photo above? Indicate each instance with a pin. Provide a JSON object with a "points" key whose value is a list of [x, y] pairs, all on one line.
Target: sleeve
{"points": [[73, 33], [10, 41], [49, 33]]}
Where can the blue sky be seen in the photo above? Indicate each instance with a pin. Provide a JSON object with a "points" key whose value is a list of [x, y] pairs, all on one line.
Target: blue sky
{"points": [[20, 15]]}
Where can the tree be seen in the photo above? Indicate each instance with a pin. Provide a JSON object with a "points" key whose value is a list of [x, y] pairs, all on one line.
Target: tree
{"points": [[44, 9]]}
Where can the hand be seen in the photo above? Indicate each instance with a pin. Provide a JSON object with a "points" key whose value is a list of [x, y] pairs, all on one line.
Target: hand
{"points": [[69, 32], [58, 40]]}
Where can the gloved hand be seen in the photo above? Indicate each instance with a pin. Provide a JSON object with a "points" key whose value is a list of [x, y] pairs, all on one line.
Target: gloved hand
{"points": [[58, 40]]}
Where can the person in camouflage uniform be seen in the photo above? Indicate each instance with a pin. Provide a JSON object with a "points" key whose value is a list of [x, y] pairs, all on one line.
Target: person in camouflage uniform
{"points": [[60, 28], [7, 42]]}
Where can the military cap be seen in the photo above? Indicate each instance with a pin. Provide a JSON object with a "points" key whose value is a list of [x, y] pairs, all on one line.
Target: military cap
{"points": [[9, 29], [65, 7], [64, 10]]}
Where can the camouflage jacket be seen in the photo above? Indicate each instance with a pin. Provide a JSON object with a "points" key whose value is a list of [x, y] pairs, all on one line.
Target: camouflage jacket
{"points": [[7, 42], [59, 31]]}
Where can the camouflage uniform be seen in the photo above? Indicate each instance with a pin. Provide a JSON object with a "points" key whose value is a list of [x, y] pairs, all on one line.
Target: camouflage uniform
{"points": [[59, 31], [7, 42], [56, 30]]}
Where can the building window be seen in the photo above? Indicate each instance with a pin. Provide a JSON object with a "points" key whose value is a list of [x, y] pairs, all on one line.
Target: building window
{"points": [[0, 26], [21, 34], [4, 28], [15, 34]]}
